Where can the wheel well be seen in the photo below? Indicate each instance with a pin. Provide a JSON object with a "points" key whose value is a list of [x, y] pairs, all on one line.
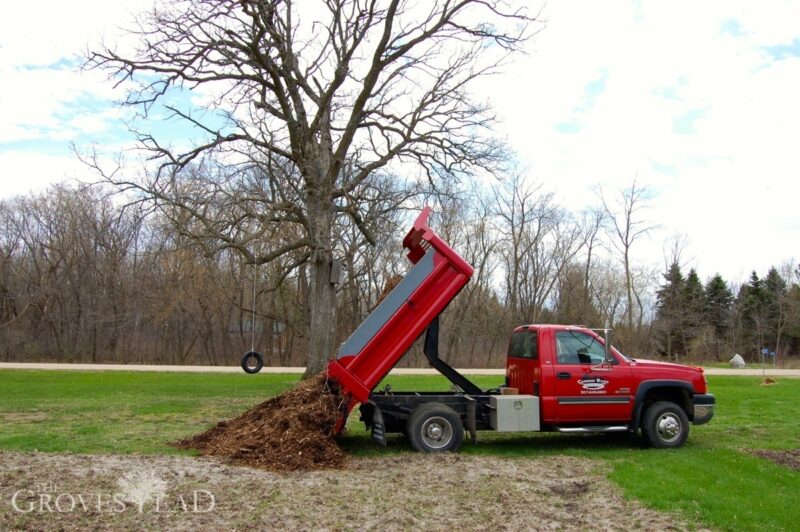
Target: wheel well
{"points": [[679, 396]]}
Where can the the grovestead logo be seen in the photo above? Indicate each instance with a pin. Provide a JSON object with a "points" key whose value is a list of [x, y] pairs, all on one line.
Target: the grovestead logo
{"points": [[138, 491], [141, 487]]}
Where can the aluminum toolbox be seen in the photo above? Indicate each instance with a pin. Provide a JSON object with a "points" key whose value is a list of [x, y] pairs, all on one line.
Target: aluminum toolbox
{"points": [[514, 413]]}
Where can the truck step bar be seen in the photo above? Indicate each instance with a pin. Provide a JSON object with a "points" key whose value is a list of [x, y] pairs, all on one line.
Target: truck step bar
{"points": [[586, 430]]}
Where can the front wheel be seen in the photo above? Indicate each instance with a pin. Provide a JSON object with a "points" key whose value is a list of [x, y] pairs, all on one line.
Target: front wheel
{"points": [[665, 425], [435, 428]]}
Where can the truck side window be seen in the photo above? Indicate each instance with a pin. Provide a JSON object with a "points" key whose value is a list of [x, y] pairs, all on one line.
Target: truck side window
{"points": [[523, 345], [578, 348]]}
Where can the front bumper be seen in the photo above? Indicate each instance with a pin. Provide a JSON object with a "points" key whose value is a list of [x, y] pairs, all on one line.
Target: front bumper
{"points": [[704, 404]]}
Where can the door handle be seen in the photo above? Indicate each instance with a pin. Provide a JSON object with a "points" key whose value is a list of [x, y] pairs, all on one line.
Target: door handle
{"points": [[563, 375]]}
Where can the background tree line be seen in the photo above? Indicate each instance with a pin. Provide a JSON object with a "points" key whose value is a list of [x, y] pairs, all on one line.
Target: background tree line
{"points": [[696, 319], [85, 277]]}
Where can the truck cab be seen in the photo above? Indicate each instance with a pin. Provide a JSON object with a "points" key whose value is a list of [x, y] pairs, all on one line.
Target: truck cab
{"points": [[583, 387]]}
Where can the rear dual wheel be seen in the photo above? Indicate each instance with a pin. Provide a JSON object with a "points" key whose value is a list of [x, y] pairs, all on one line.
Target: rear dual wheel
{"points": [[435, 428]]}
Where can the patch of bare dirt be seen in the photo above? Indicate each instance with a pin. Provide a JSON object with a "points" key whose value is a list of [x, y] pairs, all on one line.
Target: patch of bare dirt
{"points": [[293, 431], [787, 458], [408, 491], [24, 417]]}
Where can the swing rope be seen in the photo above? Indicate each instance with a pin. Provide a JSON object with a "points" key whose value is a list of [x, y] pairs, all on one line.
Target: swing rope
{"points": [[247, 359], [253, 320]]}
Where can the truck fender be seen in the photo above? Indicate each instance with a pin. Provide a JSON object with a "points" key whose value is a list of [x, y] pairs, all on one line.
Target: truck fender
{"points": [[646, 386]]}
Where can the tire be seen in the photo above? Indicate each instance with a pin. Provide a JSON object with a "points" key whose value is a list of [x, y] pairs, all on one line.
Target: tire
{"points": [[435, 428], [665, 425], [252, 362]]}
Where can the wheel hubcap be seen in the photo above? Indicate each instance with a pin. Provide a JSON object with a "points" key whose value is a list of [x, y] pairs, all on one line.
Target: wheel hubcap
{"points": [[437, 432], [669, 427]]}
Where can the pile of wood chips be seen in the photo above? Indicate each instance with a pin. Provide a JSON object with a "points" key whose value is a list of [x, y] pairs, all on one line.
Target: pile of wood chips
{"points": [[293, 431]]}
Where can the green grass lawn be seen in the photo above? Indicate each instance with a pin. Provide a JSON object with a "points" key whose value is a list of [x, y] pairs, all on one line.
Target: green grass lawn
{"points": [[121, 412], [712, 480]]}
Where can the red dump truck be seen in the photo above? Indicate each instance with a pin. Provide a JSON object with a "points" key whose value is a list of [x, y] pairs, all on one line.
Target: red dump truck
{"points": [[558, 377]]}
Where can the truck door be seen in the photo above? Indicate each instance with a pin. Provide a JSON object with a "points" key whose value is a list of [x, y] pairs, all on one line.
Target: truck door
{"points": [[586, 389], [522, 362]]}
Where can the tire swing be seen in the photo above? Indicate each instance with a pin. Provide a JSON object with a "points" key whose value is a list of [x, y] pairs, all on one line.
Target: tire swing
{"points": [[253, 361]]}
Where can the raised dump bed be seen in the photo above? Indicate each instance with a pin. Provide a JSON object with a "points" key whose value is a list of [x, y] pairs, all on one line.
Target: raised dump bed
{"points": [[376, 346]]}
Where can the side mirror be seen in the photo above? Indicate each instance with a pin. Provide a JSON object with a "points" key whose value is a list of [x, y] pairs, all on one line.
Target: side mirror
{"points": [[607, 347]]}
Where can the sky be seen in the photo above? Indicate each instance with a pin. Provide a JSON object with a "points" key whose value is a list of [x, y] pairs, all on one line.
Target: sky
{"points": [[697, 101]]}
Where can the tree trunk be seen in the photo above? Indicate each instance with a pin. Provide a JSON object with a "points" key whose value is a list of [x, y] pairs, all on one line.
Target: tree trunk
{"points": [[628, 290], [584, 312], [322, 296]]}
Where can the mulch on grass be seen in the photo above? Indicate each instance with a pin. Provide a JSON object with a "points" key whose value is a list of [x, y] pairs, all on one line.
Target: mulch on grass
{"points": [[788, 458], [292, 431]]}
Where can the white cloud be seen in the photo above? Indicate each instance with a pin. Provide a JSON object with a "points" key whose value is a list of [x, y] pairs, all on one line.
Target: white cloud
{"points": [[44, 32], [40, 56], [46, 101], [730, 181], [22, 172], [54, 103]]}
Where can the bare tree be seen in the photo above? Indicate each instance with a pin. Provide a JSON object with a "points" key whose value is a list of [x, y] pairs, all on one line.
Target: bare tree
{"points": [[592, 221], [517, 205], [782, 300], [626, 226], [311, 101], [465, 221], [539, 240], [607, 286], [674, 249]]}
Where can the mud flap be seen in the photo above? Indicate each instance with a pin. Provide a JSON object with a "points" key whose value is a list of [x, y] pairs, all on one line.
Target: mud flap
{"points": [[471, 408], [378, 427]]}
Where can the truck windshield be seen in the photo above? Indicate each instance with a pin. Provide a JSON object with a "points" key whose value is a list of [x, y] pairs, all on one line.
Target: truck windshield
{"points": [[523, 345]]}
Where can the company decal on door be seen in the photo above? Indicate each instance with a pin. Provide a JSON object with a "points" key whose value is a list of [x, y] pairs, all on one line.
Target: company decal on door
{"points": [[593, 385]]}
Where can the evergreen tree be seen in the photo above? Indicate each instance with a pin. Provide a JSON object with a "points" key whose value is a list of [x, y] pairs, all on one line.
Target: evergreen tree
{"points": [[692, 311], [717, 307], [669, 304], [793, 312], [752, 302]]}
